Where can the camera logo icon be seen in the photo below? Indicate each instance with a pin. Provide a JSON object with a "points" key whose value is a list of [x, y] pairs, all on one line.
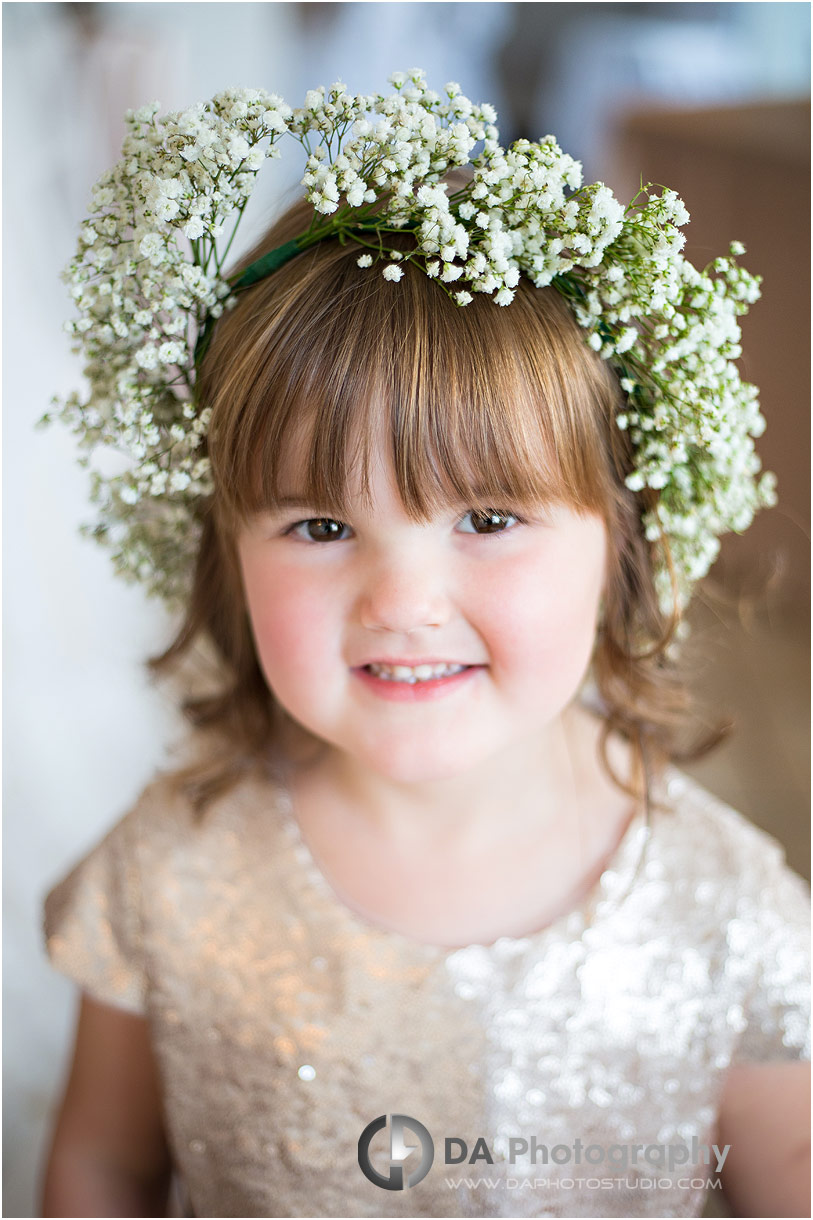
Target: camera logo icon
{"points": [[400, 1150]]}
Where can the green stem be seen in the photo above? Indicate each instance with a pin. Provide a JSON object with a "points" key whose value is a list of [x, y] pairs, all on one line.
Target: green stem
{"points": [[220, 261]]}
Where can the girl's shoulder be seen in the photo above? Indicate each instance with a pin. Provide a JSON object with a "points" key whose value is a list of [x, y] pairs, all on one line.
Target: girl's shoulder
{"points": [[700, 845], [174, 823], [734, 899], [702, 838], [156, 870], [723, 885]]}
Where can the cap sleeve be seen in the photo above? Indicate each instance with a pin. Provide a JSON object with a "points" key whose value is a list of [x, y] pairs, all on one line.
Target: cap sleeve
{"points": [[774, 929], [93, 925]]}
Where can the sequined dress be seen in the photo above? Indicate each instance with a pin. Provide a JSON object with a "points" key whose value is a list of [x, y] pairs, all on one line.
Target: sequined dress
{"points": [[283, 1024]]}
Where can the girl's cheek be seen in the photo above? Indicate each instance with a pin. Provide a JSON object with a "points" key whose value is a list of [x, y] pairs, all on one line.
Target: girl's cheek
{"points": [[290, 618], [546, 611]]}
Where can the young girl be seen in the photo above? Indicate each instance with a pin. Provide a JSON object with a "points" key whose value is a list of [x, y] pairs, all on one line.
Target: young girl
{"points": [[422, 926]]}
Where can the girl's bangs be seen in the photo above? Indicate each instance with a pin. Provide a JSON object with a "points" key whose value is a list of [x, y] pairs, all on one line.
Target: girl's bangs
{"points": [[480, 406]]}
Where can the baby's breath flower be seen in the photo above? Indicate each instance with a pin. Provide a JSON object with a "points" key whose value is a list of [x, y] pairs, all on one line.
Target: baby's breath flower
{"points": [[193, 228], [391, 272], [626, 340]]}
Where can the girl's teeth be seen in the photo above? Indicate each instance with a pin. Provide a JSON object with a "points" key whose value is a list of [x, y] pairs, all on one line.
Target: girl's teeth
{"points": [[413, 674]]}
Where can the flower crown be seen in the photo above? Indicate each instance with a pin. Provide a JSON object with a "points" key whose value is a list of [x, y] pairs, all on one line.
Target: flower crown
{"points": [[148, 281]]}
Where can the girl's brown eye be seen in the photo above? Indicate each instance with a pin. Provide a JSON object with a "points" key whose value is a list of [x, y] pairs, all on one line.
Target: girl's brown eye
{"points": [[489, 521], [320, 529]]}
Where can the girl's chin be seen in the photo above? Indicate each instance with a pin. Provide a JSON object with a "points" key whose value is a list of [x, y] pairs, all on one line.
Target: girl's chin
{"points": [[392, 758], [421, 762]]}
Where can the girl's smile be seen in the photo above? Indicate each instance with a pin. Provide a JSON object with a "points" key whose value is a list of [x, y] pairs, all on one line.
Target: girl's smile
{"points": [[409, 681], [422, 649]]}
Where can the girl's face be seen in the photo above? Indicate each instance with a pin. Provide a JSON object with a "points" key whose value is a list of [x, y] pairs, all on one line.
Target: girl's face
{"points": [[492, 618]]}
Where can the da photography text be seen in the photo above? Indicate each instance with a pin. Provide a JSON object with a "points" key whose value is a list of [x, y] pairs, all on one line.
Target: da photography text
{"points": [[616, 1156], [408, 1135]]}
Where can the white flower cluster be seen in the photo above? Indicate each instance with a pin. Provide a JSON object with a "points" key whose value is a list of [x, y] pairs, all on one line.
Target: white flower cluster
{"points": [[149, 276], [146, 275]]}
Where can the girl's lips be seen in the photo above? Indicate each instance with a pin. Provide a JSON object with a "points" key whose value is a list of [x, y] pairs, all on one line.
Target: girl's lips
{"points": [[417, 692], [410, 662]]}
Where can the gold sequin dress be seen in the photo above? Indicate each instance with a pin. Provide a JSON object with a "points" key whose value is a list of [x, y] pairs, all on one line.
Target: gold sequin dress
{"points": [[283, 1024]]}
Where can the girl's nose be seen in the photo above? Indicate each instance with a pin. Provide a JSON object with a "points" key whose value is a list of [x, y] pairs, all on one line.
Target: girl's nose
{"points": [[404, 593]]}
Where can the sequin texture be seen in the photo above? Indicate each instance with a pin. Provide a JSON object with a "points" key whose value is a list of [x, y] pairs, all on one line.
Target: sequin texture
{"points": [[283, 1024]]}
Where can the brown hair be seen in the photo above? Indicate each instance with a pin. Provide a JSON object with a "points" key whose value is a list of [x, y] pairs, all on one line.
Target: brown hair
{"points": [[490, 406]]}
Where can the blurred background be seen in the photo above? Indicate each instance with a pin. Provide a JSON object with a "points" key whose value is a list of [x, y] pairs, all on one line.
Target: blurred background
{"points": [[712, 99]]}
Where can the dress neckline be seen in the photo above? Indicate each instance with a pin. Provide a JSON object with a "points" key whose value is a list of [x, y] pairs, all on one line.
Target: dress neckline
{"points": [[609, 888]]}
